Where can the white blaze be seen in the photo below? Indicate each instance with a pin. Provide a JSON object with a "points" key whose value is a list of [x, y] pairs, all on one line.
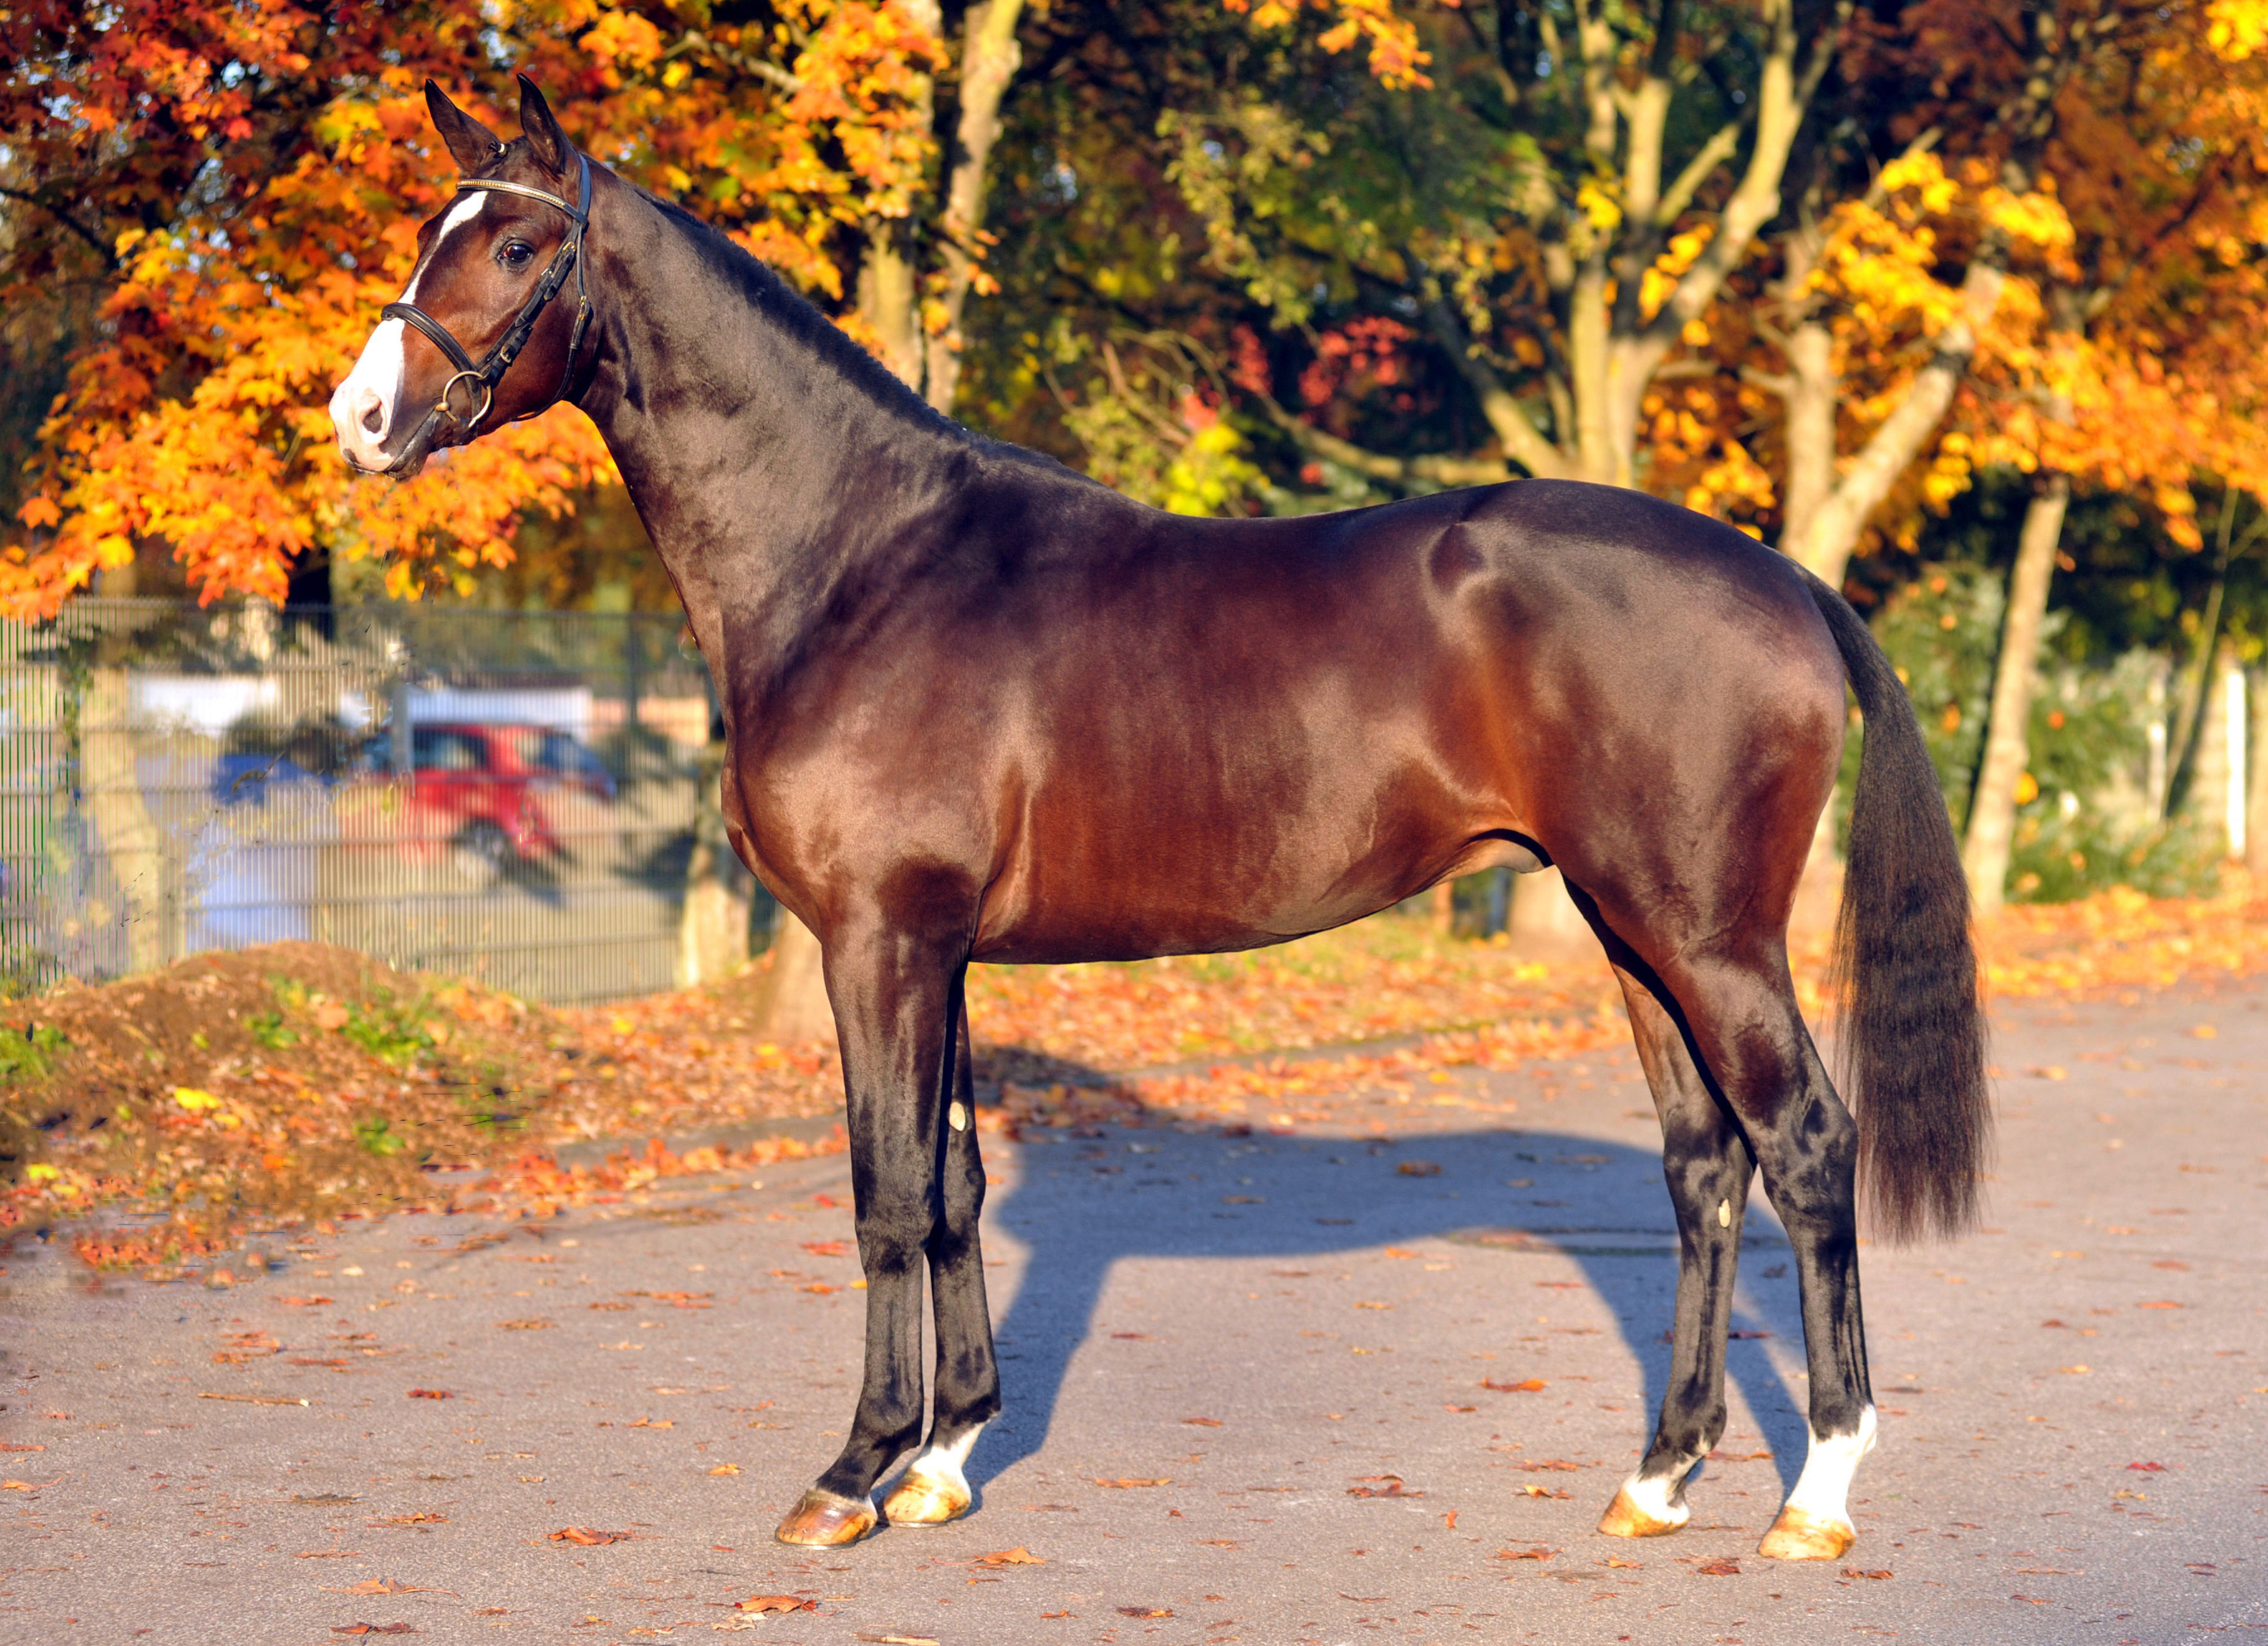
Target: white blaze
{"points": [[363, 407]]}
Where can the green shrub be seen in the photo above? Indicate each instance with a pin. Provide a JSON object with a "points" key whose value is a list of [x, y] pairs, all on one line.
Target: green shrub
{"points": [[31, 1054]]}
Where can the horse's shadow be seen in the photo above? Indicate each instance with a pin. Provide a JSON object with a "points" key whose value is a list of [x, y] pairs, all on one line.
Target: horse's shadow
{"points": [[1088, 1199]]}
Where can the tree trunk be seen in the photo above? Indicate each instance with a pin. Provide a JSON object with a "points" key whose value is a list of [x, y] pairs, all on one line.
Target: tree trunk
{"points": [[128, 836], [713, 929], [990, 57], [2256, 833], [1830, 527], [1544, 916], [791, 1004], [1992, 806], [887, 300]]}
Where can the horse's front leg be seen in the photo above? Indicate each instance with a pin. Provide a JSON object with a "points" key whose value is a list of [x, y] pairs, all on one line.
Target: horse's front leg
{"points": [[892, 993], [965, 1388]]}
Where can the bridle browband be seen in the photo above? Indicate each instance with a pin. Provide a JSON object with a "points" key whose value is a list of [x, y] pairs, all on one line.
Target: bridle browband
{"points": [[488, 371]]}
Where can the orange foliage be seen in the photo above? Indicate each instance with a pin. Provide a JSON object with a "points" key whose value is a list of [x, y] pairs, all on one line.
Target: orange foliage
{"points": [[1396, 58], [2122, 351], [246, 179]]}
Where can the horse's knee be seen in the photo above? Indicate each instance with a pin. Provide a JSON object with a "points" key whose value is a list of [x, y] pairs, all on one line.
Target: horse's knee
{"points": [[895, 1234]]}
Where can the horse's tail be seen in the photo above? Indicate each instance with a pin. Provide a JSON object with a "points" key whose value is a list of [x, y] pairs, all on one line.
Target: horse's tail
{"points": [[1911, 1025]]}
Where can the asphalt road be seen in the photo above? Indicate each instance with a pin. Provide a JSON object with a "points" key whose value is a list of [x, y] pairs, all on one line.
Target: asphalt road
{"points": [[1211, 1342]]}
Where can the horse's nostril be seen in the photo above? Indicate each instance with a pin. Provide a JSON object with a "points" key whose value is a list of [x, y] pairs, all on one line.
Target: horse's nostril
{"points": [[373, 415]]}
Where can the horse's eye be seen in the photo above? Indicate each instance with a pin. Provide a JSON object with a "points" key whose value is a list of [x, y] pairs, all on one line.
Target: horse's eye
{"points": [[515, 254]]}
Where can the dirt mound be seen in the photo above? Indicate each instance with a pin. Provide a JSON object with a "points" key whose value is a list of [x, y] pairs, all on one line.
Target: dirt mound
{"points": [[297, 1080]]}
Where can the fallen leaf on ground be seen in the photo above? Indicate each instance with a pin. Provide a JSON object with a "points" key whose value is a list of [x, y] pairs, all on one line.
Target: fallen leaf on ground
{"points": [[908, 1639], [726, 1468], [653, 1422], [1146, 1611], [1419, 1169], [385, 1586], [257, 1400], [1719, 1568], [1127, 1481], [302, 1302], [1525, 1555], [430, 1394], [774, 1603], [373, 1628], [1204, 1423], [588, 1537], [523, 1325], [421, 1519], [1852, 1572], [1017, 1556], [1532, 1490], [1550, 1463], [1616, 1560], [1385, 1486], [826, 1248], [1526, 1386]]}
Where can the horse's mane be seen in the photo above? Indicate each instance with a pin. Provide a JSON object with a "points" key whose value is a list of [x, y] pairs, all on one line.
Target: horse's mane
{"points": [[801, 320]]}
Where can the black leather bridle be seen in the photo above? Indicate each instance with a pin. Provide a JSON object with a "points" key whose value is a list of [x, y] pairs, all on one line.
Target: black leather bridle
{"points": [[485, 373]]}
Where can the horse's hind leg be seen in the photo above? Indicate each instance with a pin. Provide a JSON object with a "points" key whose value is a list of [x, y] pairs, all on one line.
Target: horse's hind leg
{"points": [[1708, 1166], [965, 1387], [1739, 1007]]}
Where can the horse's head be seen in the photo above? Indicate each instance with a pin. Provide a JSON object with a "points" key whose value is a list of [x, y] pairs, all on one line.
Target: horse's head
{"points": [[492, 325]]}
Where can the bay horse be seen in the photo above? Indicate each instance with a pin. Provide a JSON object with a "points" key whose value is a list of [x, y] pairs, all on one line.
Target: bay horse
{"points": [[981, 707]]}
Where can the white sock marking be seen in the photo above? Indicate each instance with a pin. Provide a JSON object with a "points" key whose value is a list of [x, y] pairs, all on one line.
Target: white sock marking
{"points": [[944, 1463], [1662, 1497], [1824, 1490]]}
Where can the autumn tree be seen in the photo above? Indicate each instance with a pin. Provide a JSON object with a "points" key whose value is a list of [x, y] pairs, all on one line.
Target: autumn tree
{"points": [[2132, 371], [242, 183]]}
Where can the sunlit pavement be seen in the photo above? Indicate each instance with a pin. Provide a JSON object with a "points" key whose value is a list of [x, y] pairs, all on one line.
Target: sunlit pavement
{"points": [[1213, 1346]]}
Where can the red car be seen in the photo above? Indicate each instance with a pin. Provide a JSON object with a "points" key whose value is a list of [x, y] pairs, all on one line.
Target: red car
{"points": [[484, 789]]}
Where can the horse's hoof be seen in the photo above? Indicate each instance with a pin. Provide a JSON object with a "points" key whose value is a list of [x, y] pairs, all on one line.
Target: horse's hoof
{"points": [[1626, 1517], [1798, 1536], [822, 1520], [926, 1498]]}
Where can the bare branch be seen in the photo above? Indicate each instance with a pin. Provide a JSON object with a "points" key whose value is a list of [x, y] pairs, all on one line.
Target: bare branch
{"points": [[108, 256], [1712, 155], [1523, 443], [1441, 470]]}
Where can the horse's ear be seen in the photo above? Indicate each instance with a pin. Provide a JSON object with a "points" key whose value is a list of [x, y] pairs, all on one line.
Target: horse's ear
{"points": [[545, 141], [471, 144]]}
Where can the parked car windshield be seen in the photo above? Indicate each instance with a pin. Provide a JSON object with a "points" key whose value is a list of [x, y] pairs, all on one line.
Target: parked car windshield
{"points": [[439, 751]]}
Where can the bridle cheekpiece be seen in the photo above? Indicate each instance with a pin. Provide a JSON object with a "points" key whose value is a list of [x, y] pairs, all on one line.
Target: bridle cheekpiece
{"points": [[485, 373]]}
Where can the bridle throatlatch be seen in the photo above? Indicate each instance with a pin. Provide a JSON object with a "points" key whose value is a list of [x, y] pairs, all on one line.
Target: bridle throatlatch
{"points": [[485, 373]]}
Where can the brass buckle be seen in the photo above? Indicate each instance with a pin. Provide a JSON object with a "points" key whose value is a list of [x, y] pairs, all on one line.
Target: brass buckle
{"points": [[487, 398]]}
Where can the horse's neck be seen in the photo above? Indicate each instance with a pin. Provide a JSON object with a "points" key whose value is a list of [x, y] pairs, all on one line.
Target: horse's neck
{"points": [[768, 469]]}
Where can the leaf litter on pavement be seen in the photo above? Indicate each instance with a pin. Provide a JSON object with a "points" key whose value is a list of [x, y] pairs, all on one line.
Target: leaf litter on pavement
{"points": [[293, 1083]]}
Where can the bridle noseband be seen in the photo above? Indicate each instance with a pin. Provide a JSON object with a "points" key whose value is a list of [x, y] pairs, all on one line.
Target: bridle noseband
{"points": [[488, 371]]}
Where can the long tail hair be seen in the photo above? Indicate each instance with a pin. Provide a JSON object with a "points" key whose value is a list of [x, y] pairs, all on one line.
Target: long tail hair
{"points": [[1912, 1026]]}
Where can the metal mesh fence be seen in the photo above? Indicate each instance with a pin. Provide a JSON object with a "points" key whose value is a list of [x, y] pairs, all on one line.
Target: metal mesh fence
{"points": [[510, 795]]}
